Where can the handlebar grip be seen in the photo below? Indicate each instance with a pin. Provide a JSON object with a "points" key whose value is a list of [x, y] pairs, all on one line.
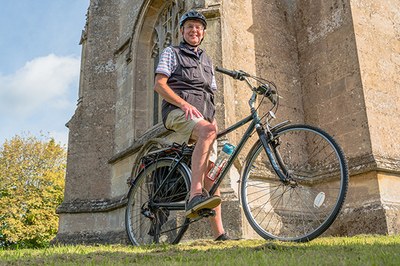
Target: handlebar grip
{"points": [[234, 74], [225, 71]]}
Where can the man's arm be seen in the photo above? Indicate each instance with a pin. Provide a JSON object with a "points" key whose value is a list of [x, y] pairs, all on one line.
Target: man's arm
{"points": [[162, 88]]}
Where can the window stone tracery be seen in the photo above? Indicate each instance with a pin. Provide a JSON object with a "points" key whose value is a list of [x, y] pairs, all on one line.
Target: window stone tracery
{"points": [[166, 30], [166, 33]]}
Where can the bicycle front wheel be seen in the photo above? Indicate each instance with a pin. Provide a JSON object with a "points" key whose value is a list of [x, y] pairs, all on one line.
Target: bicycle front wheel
{"points": [[155, 212], [306, 204]]}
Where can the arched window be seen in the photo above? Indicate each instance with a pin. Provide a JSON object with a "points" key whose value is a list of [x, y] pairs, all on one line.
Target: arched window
{"points": [[155, 29], [166, 33]]}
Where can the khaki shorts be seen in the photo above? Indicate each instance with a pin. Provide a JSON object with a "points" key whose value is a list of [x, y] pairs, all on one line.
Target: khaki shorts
{"points": [[183, 128]]}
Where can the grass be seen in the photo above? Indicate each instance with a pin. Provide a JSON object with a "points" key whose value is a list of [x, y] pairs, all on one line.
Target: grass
{"points": [[359, 250]]}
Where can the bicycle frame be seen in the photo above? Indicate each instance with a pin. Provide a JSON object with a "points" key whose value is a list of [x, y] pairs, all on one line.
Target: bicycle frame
{"points": [[255, 120], [255, 124], [296, 209]]}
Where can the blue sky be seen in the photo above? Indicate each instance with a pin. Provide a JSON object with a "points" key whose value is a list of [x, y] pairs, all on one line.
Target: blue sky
{"points": [[39, 65]]}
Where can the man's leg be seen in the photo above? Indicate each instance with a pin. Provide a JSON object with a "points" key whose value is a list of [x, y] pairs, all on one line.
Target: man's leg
{"points": [[216, 221], [204, 133]]}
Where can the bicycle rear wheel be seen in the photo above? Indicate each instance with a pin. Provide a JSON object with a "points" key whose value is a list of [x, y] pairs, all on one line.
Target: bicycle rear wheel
{"points": [[155, 212], [306, 205]]}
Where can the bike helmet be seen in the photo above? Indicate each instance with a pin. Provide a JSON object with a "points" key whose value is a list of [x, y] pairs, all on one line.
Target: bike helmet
{"points": [[193, 15]]}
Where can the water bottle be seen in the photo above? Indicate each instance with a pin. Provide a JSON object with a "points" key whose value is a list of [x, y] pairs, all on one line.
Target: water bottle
{"points": [[223, 157]]}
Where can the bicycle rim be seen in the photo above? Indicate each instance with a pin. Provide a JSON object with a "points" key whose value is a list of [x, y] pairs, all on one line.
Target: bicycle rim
{"points": [[145, 222], [305, 207]]}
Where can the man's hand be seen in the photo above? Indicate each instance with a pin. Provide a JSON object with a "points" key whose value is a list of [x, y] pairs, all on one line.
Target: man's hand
{"points": [[162, 88], [190, 111]]}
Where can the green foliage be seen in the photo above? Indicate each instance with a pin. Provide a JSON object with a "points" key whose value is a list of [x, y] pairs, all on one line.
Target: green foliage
{"points": [[32, 174]]}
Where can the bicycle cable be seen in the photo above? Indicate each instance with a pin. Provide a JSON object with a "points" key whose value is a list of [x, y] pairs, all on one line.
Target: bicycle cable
{"points": [[275, 88]]}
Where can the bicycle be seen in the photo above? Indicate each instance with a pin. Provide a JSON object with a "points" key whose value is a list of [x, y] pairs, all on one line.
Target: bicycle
{"points": [[293, 182]]}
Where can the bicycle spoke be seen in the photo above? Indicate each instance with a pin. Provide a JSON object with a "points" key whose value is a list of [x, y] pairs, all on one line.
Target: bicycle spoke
{"points": [[280, 198], [306, 205], [264, 194], [146, 221], [261, 207]]}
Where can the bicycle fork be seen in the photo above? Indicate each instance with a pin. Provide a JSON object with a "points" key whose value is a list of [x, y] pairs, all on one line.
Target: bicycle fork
{"points": [[274, 156]]}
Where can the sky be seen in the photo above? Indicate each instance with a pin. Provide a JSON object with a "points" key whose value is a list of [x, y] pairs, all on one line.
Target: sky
{"points": [[39, 66]]}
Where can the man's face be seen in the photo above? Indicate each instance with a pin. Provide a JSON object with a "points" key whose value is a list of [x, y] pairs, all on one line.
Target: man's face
{"points": [[193, 32]]}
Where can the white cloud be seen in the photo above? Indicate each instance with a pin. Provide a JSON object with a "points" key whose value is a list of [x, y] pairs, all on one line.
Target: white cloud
{"points": [[42, 82]]}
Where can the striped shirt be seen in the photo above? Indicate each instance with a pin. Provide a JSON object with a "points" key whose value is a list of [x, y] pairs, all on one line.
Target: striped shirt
{"points": [[168, 63]]}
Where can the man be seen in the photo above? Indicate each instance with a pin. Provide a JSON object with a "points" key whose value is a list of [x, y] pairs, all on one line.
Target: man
{"points": [[185, 80]]}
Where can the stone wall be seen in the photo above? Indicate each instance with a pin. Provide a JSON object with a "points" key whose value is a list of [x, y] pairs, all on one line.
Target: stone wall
{"points": [[92, 132], [335, 64], [92, 128], [330, 74], [377, 36]]}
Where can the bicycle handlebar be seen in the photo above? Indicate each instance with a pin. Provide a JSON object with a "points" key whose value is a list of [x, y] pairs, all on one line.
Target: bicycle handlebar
{"points": [[267, 91], [234, 74], [264, 89]]}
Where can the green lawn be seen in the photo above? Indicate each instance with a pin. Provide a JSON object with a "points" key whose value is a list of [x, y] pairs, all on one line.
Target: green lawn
{"points": [[359, 250]]}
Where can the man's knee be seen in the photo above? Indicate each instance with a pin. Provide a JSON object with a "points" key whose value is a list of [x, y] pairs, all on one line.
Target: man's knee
{"points": [[209, 131], [205, 130]]}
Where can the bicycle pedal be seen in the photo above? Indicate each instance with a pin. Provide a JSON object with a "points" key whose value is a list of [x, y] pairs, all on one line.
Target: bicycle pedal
{"points": [[206, 213]]}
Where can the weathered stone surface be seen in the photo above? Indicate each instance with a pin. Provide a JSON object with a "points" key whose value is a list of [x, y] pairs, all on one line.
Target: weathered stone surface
{"points": [[335, 63]]}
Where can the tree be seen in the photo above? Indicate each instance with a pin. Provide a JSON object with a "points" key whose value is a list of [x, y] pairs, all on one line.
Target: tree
{"points": [[32, 179]]}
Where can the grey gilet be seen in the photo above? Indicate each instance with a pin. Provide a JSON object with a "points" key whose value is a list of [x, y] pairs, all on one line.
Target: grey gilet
{"points": [[191, 80]]}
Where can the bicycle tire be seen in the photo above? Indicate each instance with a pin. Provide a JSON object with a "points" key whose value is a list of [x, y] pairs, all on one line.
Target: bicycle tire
{"points": [[145, 222], [304, 208]]}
